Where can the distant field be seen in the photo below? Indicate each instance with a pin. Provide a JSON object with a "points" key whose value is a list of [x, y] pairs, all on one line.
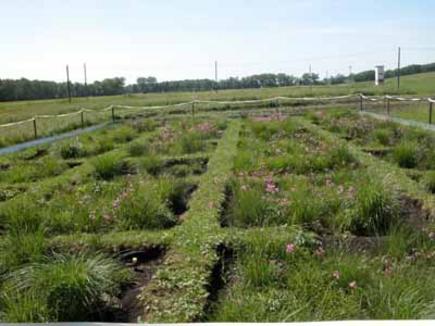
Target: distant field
{"points": [[422, 84], [418, 85]]}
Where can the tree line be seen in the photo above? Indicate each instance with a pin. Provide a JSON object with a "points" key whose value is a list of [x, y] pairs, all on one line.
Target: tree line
{"points": [[24, 89]]}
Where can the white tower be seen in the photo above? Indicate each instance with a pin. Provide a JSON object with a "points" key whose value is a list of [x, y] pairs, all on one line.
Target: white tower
{"points": [[379, 75]]}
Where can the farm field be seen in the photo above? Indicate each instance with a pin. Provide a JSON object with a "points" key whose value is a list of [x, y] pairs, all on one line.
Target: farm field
{"points": [[328, 215], [418, 85]]}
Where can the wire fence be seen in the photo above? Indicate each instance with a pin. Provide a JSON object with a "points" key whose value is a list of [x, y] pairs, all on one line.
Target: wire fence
{"points": [[47, 125], [412, 108]]}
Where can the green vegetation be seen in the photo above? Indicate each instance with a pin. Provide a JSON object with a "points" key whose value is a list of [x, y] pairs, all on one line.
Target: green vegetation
{"points": [[327, 216]]}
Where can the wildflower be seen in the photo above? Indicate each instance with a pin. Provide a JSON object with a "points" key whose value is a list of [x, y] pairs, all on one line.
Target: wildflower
{"points": [[353, 285], [244, 187], [271, 187], [336, 275], [290, 248], [320, 252]]}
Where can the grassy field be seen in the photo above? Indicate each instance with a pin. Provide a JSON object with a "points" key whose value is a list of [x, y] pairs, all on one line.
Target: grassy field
{"points": [[420, 85], [325, 216]]}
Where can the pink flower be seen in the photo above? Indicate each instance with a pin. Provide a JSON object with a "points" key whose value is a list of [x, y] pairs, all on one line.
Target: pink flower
{"points": [[336, 275], [290, 248], [271, 187], [353, 285]]}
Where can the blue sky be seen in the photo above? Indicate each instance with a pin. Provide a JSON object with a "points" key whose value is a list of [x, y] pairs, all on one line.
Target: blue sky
{"points": [[177, 39]]}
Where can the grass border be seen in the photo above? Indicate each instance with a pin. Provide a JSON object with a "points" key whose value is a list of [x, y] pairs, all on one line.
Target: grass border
{"points": [[178, 291]]}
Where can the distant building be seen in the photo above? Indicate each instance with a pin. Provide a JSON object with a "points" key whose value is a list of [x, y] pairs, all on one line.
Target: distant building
{"points": [[379, 75]]}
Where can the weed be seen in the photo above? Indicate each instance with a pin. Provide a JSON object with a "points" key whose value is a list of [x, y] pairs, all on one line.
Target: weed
{"points": [[138, 148], [70, 287], [383, 136], [376, 210], [73, 149], [429, 181], [405, 155], [191, 142], [144, 208], [143, 125], [123, 134], [109, 165]]}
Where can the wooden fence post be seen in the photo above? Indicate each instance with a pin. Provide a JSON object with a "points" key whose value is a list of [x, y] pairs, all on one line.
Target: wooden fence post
{"points": [[430, 112], [113, 113], [35, 131], [193, 109], [360, 103], [82, 118]]}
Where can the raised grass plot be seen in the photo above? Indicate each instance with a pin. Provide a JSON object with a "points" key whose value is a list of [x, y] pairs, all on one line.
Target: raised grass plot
{"points": [[323, 217]]}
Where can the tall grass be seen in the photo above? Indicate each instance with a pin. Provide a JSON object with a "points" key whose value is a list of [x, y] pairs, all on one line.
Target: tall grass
{"points": [[66, 288], [405, 155], [376, 209]]}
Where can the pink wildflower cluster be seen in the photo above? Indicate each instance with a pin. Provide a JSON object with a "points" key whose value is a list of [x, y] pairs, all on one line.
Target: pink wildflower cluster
{"points": [[205, 127], [270, 186], [122, 196], [290, 248]]}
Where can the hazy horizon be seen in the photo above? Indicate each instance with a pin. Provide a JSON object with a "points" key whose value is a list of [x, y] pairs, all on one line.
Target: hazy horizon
{"points": [[182, 39]]}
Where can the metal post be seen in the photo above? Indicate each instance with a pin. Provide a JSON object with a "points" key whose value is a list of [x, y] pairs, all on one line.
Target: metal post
{"points": [[278, 105], [86, 79], [68, 86], [388, 106], [430, 112], [34, 128], [398, 68], [82, 118]]}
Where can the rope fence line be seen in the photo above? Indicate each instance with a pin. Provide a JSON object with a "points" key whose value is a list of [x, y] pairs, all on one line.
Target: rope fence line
{"points": [[193, 106]]}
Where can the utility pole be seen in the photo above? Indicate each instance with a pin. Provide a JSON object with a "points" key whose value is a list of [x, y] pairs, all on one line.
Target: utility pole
{"points": [[86, 79], [216, 71], [68, 87], [216, 75], [398, 68], [311, 78]]}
